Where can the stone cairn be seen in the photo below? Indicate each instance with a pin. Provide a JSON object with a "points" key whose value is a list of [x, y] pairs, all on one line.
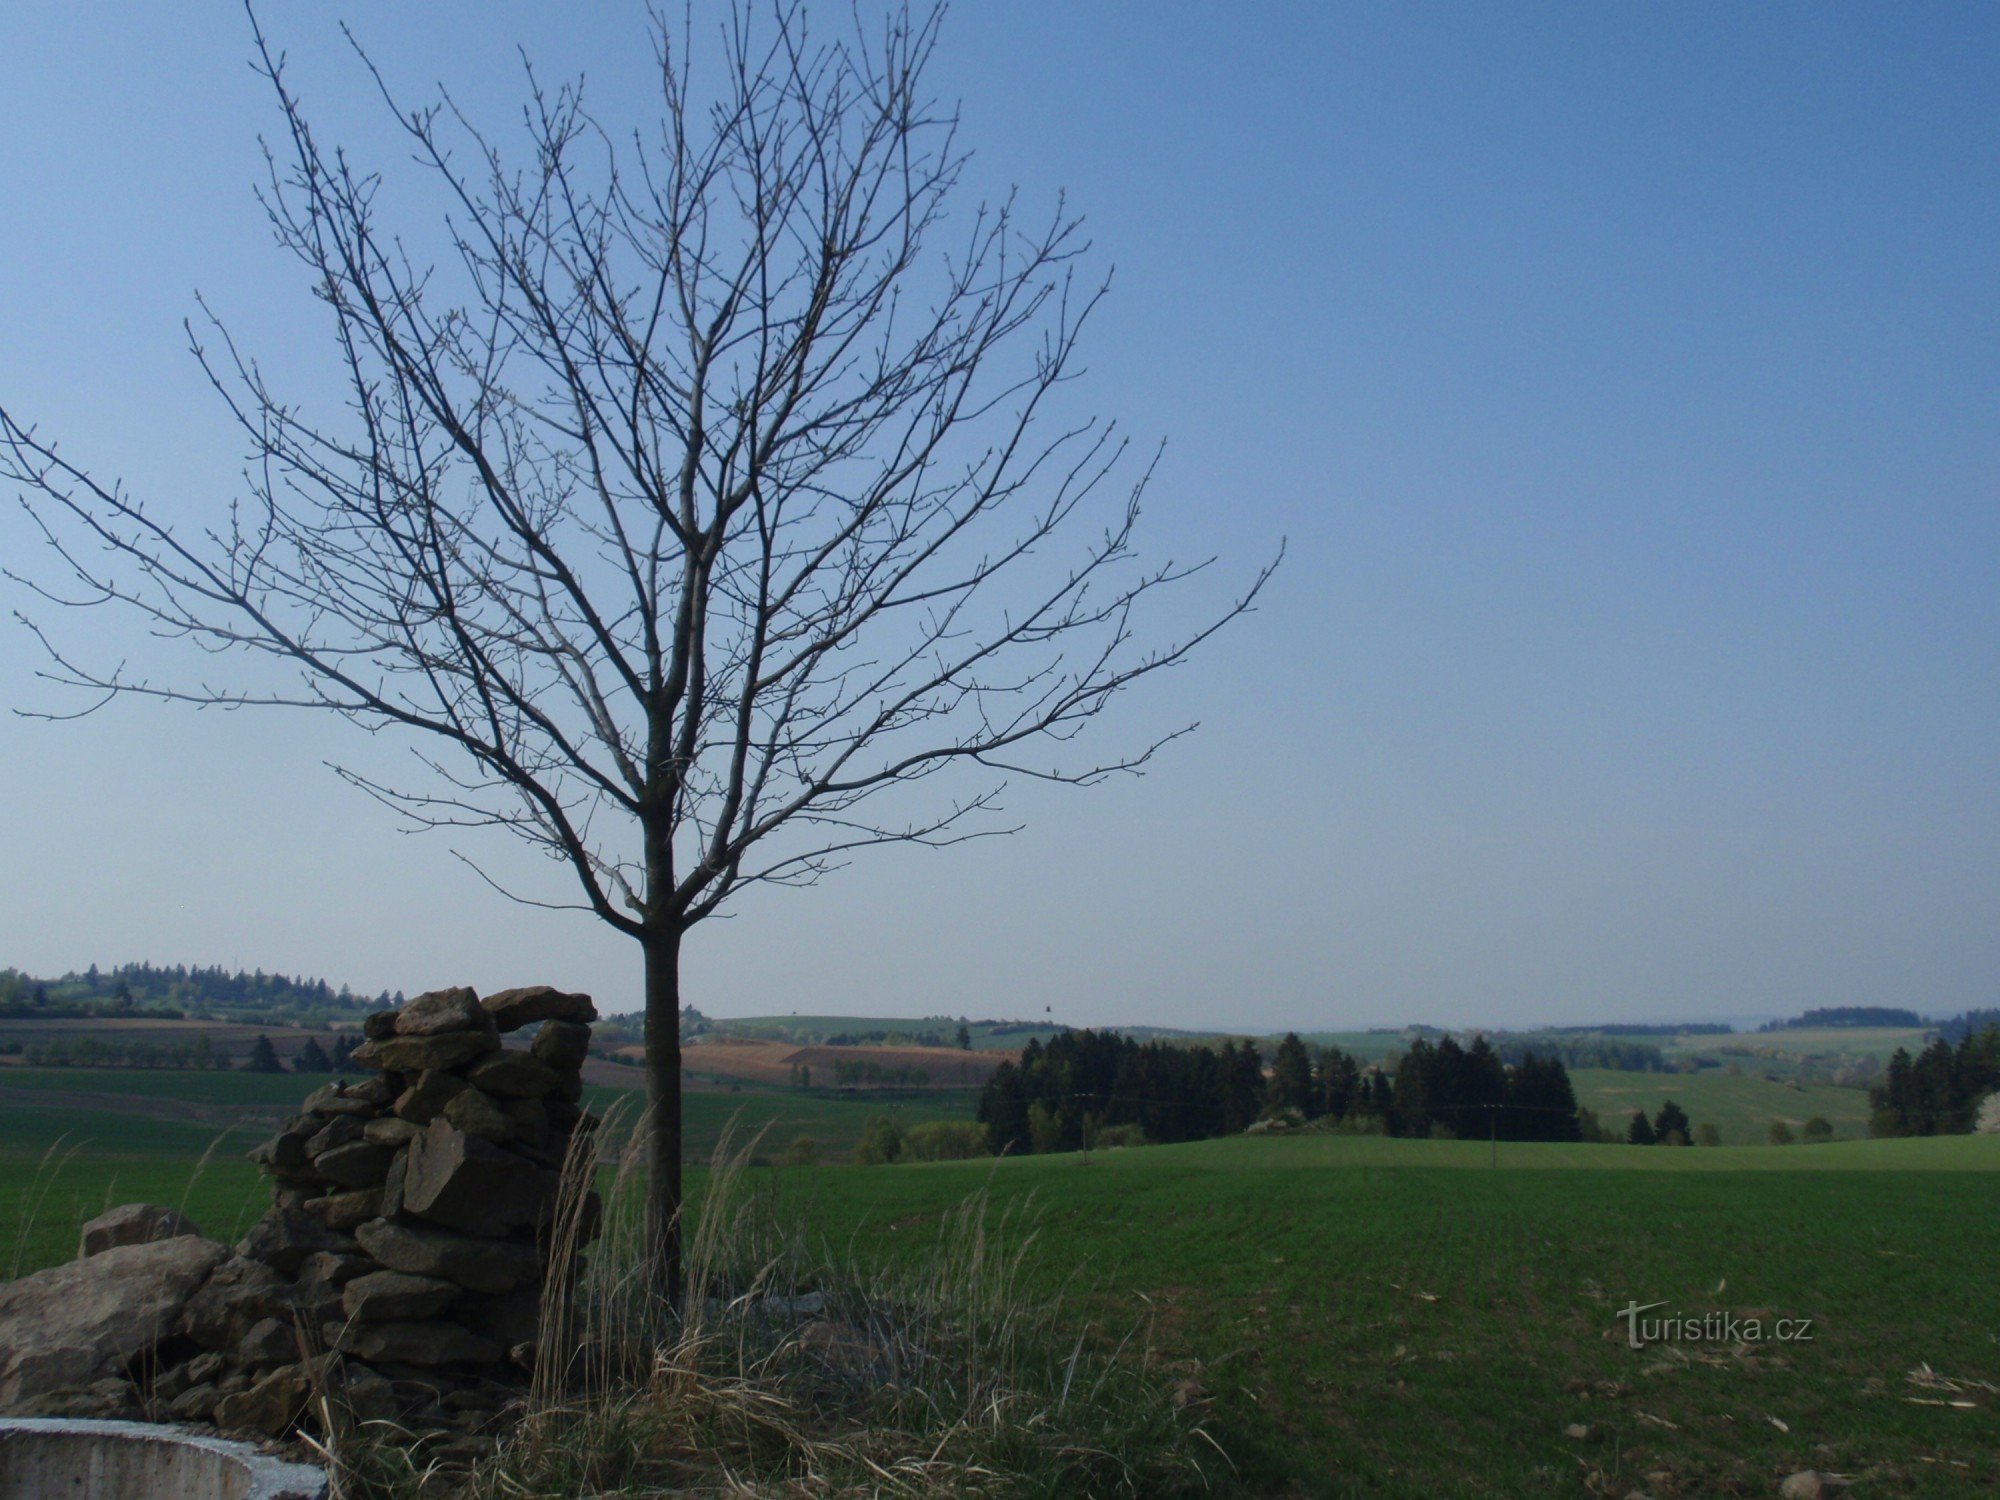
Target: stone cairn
{"points": [[410, 1236]]}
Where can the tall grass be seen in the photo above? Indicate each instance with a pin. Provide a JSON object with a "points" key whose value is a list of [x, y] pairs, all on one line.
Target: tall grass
{"points": [[795, 1367]]}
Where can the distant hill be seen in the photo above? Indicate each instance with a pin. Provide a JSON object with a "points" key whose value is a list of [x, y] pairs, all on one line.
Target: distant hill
{"points": [[177, 991], [1831, 1016]]}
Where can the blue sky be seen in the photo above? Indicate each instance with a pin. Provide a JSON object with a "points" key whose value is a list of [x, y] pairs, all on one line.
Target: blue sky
{"points": [[1623, 378]]}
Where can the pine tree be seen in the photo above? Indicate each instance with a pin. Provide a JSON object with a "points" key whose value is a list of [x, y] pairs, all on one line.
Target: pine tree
{"points": [[264, 1057], [312, 1058], [1641, 1131], [1671, 1126], [1291, 1076]]}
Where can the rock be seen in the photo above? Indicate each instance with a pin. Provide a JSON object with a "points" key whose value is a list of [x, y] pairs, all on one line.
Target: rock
{"points": [[514, 1075], [270, 1406], [360, 1165], [443, 1011], [239, 1294], [378, 1025], [396, 1296], [563, 1045], [346, 1211], [475, 1264], [284, 1154], [390, 1131], [513, 1009], [339, 1099], [1810, 1484], [392, 1186], [341, 1130], [195, 1404], [477, 1112], [132, 1224], [416, 1343], [332, 1271], [79, 1322], [269, 1342], [205, 1367], [529, 1119], [426, 1098], [1576, 1431], [368, 1396], [284, 1237], [471, 1185], [414, 1054], [169, 1384]]}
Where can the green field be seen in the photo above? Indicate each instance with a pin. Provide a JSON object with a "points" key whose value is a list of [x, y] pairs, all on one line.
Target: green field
{"points": [[1740, 1107], [1395, 1317], [1369, 1316], [73, 1141]]}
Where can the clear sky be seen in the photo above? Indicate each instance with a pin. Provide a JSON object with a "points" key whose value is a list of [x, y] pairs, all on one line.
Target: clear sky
{"points": [[1623, 377]]}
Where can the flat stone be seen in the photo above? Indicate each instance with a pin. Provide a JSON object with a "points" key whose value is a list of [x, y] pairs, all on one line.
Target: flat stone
{"points": [[514, 1075], [425, 1099], [132, 1224], [346, 1211], [530, 1121], [341, 1130], [477, 1112], [442, 1011], [328, 1270], [513, 1009], [269, 1342], [397, 1296], [284, 1154], [87, 1319], [390, 1131], [392, 1186], [270, 1406], [414, 1054], [284, 1237], [475, 1264], [378, 1024], [462, 1182], [339, 1099], [195, 1404], [415, 1343], [563, 1045], [238, 1294], [360, 1165]]}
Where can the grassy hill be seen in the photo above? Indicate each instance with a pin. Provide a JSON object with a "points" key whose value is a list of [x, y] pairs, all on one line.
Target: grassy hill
{"points": [[1741, 1107]]}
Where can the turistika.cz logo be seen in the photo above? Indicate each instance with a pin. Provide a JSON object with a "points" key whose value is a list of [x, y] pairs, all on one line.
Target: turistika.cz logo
{"points": [[1709, 1328]]}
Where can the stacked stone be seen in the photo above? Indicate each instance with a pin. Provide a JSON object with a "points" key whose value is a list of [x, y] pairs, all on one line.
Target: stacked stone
{"points": [[410, 1232]]}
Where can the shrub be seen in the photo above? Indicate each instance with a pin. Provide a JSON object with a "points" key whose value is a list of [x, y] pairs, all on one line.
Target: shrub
{"points": [[1707, 1135], [1819, 1129], [1111, 1136], [801, 1153], [1781, 1133], [944, 1140], [881, 1142]]}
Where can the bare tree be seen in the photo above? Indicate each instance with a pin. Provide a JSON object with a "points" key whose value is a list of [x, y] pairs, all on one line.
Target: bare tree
{"points": [[702, 491]]}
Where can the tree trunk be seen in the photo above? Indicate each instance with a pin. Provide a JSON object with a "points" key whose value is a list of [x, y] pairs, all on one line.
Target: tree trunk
{"points": [[663, 1112]]}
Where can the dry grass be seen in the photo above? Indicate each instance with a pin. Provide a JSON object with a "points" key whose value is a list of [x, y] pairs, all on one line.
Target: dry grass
{"points": [[802, 1371]]}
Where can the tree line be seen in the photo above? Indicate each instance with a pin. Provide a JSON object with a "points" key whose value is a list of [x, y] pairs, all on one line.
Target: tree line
{"points": [[1847, 1015], [1070, 1091], [188, 1054], [1939, 1091], [169, 991]]}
